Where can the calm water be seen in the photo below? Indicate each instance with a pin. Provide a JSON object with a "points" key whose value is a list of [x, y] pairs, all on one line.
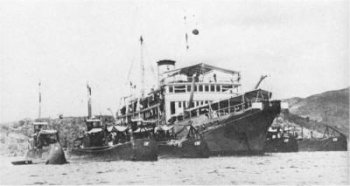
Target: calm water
{"points": [[279, 168]]}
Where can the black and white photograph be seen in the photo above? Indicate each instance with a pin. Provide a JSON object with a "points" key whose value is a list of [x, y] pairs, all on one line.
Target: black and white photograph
{"points": [[174, 92]]}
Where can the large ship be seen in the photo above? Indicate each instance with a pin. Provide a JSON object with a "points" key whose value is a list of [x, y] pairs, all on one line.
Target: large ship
{"points": [[208, 99]]}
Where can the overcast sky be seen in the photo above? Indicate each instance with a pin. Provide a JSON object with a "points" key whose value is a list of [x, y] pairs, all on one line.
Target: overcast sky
{"points": [[302, 45]]}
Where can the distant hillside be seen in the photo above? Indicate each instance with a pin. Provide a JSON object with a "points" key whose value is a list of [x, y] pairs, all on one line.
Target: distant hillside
{"points": [[331, 108]]}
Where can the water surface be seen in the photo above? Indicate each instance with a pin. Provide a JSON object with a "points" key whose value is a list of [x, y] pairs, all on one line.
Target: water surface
{"points": [[277, 168]]}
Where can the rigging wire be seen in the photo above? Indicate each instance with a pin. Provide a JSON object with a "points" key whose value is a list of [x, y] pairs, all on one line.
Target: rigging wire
{"points": [[149, 67]]}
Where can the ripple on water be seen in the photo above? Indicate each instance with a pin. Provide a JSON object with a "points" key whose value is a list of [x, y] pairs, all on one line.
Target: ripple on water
{"points": [[290, 168], [40, 183], [230, 168]]}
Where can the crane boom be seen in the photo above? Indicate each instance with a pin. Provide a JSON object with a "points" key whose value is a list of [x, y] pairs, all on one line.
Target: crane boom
{"points": [[259, 82]]}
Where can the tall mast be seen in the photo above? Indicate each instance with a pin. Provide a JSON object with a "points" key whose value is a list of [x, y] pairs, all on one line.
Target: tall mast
{"points": [[39, 115], [186, 35], [142, 68], [89, 101]]}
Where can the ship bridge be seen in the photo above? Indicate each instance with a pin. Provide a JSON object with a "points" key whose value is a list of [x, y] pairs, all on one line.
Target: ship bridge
{"points": [[209, 83]]}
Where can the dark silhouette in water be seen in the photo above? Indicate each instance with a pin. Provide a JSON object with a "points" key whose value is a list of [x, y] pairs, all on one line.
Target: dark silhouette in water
{"points": [[56, 155], [281, 140]]}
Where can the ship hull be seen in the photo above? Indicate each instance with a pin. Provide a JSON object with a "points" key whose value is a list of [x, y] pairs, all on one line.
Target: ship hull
{"points": [[142, 150], [190, 148], [326, 144], [281, 145], [241, 134]]}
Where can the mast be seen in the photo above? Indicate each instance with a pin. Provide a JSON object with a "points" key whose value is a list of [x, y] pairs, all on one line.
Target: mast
{"points": [[138, 105], [142, 68], [186, 35], [39, 115], [89, 101]]}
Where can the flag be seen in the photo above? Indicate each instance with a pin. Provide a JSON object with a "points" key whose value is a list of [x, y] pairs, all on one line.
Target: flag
{"points": [[89, 89], [141, 40], [186, 38]]}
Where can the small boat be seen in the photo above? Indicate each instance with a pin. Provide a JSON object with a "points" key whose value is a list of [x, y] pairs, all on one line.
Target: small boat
{"points": [[332, 140], [22, 162], [103, 142], [39, 145], [112, 143], [177, 141], [281, 140], [44, 147], [181, 142]]}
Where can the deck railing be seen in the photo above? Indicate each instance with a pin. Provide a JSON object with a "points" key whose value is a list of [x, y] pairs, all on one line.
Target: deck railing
{"points": [[219, 111], [222, 111]]}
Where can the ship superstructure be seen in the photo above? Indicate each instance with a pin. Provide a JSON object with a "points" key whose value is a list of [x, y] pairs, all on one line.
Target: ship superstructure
{"points": [[207, 98], [180, 89], [197, 85]]}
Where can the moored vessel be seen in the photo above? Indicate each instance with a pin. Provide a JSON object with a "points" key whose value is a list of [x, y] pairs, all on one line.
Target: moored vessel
{"points": [[184, 143], [207, 99], [111, 142], [44, 146], [280, 139], [332, 140]]}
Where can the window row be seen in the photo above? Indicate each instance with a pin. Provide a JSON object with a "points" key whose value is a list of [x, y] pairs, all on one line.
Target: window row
{"points": [[198, 88], [183, 104]]}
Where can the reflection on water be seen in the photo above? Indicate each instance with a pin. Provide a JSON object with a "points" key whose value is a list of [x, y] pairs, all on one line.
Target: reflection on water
{"points": [[278, 168]]}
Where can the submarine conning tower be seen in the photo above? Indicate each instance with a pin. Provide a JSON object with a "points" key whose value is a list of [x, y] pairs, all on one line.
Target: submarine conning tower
{"points": [[164, 65]]}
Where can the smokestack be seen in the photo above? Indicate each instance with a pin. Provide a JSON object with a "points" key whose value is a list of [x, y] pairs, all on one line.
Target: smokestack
{"points": [[164, 66]]}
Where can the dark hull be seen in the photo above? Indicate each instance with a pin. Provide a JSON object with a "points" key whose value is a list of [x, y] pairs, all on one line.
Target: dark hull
{"points": [[327, 144], [281, 145], [241, 134], [188, 149], [143, 150], [22, 162]]}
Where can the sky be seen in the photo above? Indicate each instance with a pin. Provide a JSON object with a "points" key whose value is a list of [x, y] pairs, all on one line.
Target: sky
{"points": [[302, 46]]}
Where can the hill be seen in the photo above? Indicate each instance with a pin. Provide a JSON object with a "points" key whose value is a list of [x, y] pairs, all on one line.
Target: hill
{"points": [[330, 108]]}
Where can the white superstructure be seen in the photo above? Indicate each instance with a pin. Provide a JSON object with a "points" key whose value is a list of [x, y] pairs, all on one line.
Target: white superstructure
{"points": [[211, 83]]}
